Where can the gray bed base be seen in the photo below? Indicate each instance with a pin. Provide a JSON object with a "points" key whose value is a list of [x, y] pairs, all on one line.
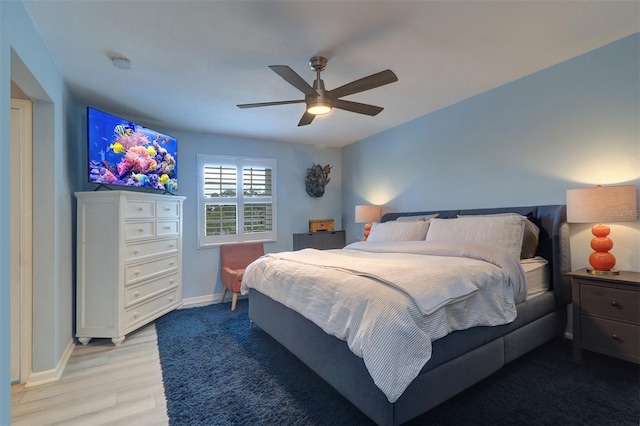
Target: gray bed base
{"points": [[459, 360]]}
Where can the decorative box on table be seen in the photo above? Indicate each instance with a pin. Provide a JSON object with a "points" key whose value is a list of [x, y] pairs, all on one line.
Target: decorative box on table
{"points": [[320, 225]]}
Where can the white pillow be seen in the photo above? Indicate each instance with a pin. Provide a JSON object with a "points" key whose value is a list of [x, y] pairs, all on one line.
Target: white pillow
{"points": [[425, 217], [498, 231], [399, 231], [530, 238]]}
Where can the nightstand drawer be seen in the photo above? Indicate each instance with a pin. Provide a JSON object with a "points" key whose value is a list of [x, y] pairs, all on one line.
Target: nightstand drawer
{"points": [[606, 314], [612, 303], [611, 335]]}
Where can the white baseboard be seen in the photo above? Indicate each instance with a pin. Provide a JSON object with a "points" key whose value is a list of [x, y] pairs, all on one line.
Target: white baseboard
{"points": [[209, 299], [53, 375], [193, 302]]}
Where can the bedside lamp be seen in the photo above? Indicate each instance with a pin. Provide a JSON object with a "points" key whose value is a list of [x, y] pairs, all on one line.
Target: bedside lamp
{"points": [[597, 205], [367, 214]]}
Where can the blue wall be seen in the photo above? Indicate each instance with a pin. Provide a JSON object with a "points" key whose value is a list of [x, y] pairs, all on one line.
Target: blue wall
{"points": [[295, 208], [24, 58], [569, 126]]}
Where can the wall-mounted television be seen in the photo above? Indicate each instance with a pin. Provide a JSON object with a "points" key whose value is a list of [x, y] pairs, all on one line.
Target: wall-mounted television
{"points": [[126, 154]]}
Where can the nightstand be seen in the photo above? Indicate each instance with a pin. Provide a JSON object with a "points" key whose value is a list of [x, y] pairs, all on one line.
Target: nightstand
{"points": [[606, 314], [322, 240]]}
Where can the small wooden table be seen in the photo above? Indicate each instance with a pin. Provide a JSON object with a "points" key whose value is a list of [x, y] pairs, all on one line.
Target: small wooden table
{"points": [[606, 314]]}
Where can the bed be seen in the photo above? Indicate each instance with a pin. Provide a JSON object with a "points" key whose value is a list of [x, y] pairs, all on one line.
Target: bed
{"points": [[457, 360]]}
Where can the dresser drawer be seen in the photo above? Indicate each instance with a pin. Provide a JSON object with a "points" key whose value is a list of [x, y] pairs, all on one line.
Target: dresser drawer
{"points": [[152, 308], [611, 336], [611, 303], [136, 293], [140, 271], [138, 209], [168, 227], [141, 250], [168, 209], [138, 230]]}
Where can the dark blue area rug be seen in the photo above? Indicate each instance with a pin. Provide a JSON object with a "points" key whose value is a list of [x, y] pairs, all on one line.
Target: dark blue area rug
{"points": [[219, 371]]}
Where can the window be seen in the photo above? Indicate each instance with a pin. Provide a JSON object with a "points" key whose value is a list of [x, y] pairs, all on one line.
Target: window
{"points": [[236, 199]]}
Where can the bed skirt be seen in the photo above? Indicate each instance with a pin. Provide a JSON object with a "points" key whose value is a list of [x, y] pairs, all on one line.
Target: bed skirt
{"points": [[332, 360]]}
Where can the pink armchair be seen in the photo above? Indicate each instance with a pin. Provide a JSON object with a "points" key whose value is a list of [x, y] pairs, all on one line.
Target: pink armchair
{"points": [[234, 258]]}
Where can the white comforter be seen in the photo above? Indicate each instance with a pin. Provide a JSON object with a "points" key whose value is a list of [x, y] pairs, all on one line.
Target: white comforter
{"points": [[390, 300]]}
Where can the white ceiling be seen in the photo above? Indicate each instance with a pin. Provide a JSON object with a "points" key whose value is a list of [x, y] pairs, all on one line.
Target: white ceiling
{"points": [[193, 61]]}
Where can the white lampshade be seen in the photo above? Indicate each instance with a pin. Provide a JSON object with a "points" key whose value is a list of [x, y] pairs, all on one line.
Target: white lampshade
{"points": [[366, 214], [602, 204]]}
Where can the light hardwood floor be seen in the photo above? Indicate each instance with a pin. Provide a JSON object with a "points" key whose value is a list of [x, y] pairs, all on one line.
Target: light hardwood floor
{"points": [[101, 385]]}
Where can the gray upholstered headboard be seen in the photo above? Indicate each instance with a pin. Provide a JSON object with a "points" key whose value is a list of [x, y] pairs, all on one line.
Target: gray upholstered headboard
{"points": [[554, 238]]}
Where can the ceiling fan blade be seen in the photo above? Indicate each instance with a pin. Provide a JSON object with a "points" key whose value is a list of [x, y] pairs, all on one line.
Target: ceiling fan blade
{"points": [[366, 83], [307, 118], [263, 104], [357, 107], [291, 77]]}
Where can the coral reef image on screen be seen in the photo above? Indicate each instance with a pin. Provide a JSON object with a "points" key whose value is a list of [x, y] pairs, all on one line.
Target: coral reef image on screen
{"points": [[124, 153]]}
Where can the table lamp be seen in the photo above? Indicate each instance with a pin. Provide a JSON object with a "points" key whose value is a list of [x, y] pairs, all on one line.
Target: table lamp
{"points": [[367, 214], [597, 205]]}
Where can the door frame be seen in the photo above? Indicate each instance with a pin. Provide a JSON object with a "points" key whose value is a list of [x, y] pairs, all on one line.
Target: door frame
{"points": [[25, 233]]}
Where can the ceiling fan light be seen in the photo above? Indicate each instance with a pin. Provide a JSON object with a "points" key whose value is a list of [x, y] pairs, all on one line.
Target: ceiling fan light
{"points": [[319, 108]]}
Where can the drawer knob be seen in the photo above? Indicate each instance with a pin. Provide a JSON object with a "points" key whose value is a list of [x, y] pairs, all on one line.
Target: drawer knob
{"points": [[135, 314], [140, 229], [136, 294], [137, 273], [171, 299], [136, 251], [614, 303], [615, 337], [167, 227], [140, 209]]}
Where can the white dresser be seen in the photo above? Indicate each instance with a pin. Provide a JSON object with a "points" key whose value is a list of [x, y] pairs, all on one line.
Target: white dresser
{"points": [[129, 261]]}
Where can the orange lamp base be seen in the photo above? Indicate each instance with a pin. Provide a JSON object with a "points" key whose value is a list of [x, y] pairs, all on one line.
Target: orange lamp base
{"points": [[367, 231], [602, 262]]}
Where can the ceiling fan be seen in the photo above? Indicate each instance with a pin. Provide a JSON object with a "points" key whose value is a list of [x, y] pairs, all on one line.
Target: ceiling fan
{"points": [[320, 101]]}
